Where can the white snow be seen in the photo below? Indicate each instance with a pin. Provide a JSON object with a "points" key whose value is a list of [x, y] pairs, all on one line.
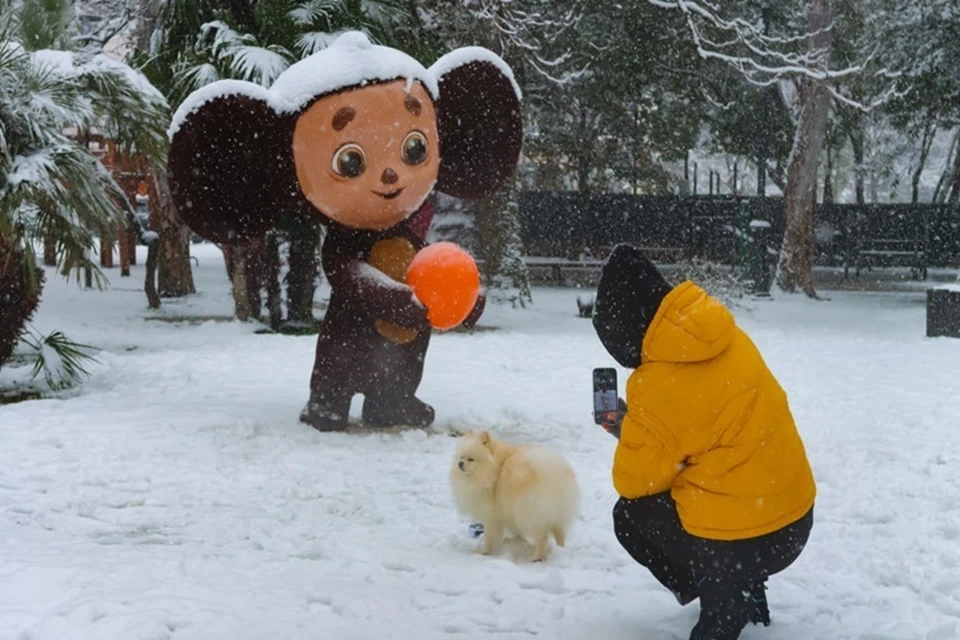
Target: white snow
{"points": [[350, 60], [176, 496], [65, 64], [59, 62], [134, 77], [34, 168], [219, 89], [311, 42]]}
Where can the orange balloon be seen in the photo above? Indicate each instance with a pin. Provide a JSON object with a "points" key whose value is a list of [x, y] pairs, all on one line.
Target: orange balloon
{"points": [[446, 280]]}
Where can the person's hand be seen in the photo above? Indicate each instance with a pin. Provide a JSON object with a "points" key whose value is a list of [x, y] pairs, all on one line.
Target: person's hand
{"points": [[611, 420]]}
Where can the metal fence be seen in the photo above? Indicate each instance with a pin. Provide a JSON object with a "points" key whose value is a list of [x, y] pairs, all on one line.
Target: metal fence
{"points": [[565, 224]]}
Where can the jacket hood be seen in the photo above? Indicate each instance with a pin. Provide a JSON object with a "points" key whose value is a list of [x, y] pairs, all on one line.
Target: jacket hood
{"points": [[628, 296], [689, 326]]}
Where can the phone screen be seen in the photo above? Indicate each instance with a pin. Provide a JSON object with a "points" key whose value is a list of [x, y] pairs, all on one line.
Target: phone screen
{"points": [[604, 392]]}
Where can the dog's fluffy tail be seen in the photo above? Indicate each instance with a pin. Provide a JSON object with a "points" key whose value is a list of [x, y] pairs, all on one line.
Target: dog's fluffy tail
{"points": [[544, 487]]}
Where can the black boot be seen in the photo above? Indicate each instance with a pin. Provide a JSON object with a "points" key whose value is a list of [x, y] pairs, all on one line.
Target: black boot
{"points": [[761, 612], [686, 597], [392, 412], [725, 610]]}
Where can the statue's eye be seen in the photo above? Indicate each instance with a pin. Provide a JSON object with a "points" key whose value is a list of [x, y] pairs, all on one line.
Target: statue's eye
{"points": [[349, 160], [414, 148]]}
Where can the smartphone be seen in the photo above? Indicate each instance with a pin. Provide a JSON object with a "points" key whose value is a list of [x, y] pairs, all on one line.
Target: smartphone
{"points": [[604, 392]]}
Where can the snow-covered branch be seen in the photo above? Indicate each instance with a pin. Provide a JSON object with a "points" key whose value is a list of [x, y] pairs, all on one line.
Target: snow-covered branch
{"points": [[531, 32], [763, 60]]}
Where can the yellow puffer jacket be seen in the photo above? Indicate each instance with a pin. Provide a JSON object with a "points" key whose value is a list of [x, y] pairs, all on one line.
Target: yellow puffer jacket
{"points": [[707, 420]]}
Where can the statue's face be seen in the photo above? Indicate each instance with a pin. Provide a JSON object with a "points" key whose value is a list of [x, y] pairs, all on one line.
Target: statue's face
{"points": [[367, 158]]}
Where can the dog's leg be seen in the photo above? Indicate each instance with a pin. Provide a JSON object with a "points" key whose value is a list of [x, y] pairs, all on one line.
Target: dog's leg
{"points": [[560, 535], [492, 537], [542, 549]]}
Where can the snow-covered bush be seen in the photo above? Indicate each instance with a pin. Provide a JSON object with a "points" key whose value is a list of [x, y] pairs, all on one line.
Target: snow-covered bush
{"points": [[721, 281]]}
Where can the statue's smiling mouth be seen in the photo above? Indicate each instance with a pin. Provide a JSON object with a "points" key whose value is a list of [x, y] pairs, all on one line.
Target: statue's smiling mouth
{"points": [[390, 195]]}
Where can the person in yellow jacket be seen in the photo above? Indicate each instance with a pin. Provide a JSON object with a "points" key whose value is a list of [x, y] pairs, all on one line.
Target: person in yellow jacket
{"points": [[716, 492]]}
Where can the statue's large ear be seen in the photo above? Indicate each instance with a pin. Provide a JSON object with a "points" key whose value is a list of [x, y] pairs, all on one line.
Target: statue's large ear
{"points": [[230, 164], [478, 115]]}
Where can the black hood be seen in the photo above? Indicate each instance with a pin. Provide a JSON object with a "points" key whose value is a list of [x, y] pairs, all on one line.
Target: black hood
{"points": [[628, 296]]}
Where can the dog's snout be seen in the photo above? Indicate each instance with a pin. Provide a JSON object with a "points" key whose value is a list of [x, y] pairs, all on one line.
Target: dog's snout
{"points": [[462, 466]]}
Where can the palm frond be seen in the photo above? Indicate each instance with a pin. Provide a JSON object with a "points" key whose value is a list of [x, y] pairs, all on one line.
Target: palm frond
{"points": [[98, 92], [59, 359], [191, 77], [45, 23], [233, 55], [314, 11], [313, 41], [261, 65], [50, 184]]}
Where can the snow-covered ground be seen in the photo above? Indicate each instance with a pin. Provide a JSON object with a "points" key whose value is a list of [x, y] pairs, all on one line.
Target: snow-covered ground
{"points": [[176, 496]]}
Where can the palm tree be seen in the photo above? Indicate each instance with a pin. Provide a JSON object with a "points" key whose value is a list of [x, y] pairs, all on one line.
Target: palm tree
{"points": [[49, 183]]}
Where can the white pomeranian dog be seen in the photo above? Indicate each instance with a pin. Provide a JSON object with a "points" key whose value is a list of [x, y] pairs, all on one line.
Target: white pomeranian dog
{"points": [[522, 490]]}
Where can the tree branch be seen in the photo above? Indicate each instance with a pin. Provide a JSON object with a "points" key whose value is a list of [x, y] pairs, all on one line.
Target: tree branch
{"points": [[765, 60]]}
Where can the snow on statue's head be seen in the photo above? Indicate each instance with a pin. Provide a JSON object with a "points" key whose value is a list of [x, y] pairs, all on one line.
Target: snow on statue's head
{"points": [[360, 134]]}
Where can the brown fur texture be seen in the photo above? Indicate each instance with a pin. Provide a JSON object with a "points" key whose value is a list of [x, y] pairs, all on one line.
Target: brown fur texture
{"points": [[230, 169], [233, 172], [481, 130]]}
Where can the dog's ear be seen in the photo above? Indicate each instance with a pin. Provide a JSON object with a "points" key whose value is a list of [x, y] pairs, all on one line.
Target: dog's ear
{"points": [[484, 438]]}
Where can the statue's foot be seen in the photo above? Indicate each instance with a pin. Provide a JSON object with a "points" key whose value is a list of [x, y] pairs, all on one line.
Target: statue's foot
{"points": [[411, 412], [323, 417]]}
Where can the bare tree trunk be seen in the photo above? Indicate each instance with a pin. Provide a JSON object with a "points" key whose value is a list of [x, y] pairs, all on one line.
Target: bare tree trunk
{"points": [[926, 142], [253, 254], [238, 273], [106, 249], [302, 274], [828, 178], [271, 273], [953, 194], [856, 141], [939, 194], [796, 258], [150, 280], [49, 248], [124, 248], [175, 279]]}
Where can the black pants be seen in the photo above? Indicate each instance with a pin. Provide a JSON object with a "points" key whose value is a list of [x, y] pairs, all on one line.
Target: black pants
{"points": [[725, 575]]}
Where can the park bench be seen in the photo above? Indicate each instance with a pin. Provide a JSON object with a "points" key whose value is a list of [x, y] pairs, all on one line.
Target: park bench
{"points": [[891, 237], [586, 270]]}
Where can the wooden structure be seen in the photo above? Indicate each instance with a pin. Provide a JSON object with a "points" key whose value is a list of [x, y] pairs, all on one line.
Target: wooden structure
{"points": [[132, 174]]}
